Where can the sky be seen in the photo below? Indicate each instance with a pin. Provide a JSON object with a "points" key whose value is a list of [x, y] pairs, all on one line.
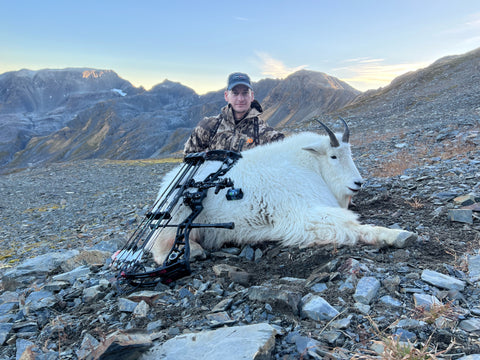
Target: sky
{"points": [[198, 43]]}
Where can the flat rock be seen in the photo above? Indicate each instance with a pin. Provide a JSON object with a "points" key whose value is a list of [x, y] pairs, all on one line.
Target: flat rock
{"points": [[121, 345], [461, 215], [232, 343], [442, 281]]}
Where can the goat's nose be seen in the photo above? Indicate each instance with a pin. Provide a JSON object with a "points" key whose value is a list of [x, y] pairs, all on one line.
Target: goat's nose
{"points": [[359, 183]]}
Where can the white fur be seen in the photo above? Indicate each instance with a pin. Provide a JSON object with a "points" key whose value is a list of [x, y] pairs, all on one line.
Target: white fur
{"points": [[296, 191]]}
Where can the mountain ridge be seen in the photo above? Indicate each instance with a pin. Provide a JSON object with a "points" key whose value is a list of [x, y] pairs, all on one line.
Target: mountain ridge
{"points": [[142, 124], [125, 122]]}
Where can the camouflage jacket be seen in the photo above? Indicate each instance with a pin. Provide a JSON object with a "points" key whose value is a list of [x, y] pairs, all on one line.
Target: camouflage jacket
{"points": [[221, 132]]}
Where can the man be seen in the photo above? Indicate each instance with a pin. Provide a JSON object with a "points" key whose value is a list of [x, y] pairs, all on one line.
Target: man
{"points": [[238, 127]]}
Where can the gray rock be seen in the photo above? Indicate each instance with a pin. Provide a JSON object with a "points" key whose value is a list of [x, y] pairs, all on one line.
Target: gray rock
{"points": [[93, 293], [425, 301], [307, 345], [233, 343], [218, 319], [30, 270], [405, 335], [42, 264], [461, 215], [40, 299], [5, 308], [223, 305], [154, 326], [317, 308], [334, 338], [141, 310], [442, 281], [88, 346], [125, 305], [348, 284], [56, 286], [258, 254], [24, 349], [405, 239], [366, 290], [277, 293], [390, 301], [5, 329], [410, 324], [474, 267], [122, 345], [363, 308], [81, 272], [470, 325], [320, 287], [248, 253], [342, 323]]}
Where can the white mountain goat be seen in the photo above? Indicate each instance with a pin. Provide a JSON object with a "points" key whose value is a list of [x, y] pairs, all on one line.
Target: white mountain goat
{"points": [[296, 192]]}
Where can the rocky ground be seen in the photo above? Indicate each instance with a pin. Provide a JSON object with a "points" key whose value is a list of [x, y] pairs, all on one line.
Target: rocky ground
{"points": [[60, 223]]}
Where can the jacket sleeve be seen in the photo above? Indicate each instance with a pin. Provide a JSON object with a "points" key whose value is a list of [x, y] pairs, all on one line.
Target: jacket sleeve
{"points": [[193, 143], [268, 134], [199, 140]]}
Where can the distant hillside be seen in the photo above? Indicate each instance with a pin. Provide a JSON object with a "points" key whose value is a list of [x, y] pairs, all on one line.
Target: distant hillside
{"points": [[131, 127], [63, 115], [305, 94], [139, 124], [447, 90], [37, 103]]}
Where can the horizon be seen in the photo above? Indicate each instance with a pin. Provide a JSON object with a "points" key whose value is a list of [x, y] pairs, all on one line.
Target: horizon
{"points": [[365, 45]]}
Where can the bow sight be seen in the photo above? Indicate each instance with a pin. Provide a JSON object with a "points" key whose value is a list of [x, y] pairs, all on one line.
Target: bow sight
{"points": [[130, 260]]}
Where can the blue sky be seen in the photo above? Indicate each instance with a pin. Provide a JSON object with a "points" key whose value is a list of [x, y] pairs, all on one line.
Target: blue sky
{"points": [[198, 43]]}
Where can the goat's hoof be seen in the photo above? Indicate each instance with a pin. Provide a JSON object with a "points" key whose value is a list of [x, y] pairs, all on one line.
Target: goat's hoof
{"points": [[196, 251], [404, 239]]}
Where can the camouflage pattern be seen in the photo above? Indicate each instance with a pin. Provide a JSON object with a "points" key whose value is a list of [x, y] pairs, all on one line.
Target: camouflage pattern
{"points": [[231, 135]]}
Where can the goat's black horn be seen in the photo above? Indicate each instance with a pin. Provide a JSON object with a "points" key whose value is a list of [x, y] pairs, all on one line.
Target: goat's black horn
{"points": [[333, 139], [346, 132]]}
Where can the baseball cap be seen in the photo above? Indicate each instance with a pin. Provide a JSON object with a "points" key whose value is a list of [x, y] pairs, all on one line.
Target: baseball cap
{"points": [[238, 79]]}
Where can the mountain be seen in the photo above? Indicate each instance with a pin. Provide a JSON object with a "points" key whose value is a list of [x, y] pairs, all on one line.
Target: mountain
{"points": [[153, 123], [305, 94], [125, 128], [71, 114], [447, 90], [37, 103]]}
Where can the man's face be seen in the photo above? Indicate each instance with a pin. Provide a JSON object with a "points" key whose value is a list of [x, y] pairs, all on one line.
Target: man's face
{"points": [[240, 98]]}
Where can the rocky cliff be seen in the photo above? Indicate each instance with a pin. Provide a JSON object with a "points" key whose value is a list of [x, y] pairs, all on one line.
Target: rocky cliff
{"points": [[38, 103]]}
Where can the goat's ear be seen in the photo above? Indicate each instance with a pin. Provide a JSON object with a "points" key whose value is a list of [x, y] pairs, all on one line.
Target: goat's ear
{"points": [[316, 149]]}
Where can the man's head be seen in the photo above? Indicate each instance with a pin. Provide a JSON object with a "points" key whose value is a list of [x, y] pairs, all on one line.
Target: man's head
{"points": [[239, 94]]}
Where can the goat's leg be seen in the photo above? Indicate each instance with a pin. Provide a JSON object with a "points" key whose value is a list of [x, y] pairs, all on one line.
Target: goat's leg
{"points": [[340, 227], [381, 236], [163, 243]]}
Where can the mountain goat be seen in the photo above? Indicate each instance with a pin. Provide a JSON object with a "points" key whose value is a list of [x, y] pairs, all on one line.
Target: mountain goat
{"points": [[296, 191]]}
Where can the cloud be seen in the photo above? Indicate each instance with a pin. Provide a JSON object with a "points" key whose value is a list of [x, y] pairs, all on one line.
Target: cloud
{"points": [[471, 29], [466, 33], [275, 68], [471, 25], [474, 22], [366, 73]]}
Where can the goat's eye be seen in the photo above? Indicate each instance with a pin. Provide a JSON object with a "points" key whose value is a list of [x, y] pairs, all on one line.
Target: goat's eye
{"points": [[333, 157]]}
